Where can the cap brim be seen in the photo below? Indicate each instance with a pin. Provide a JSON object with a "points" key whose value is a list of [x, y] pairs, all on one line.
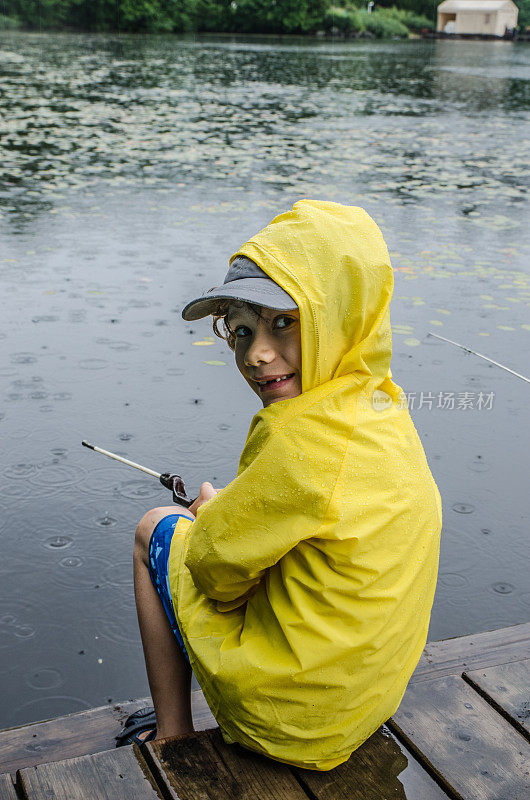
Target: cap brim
{"points": [[261, 291]]}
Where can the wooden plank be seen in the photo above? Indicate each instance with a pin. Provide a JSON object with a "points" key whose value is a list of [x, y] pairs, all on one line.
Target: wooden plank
{"points": [[473, 751], [7, 789], [188, 768], [111, 775], [64, 737], [78, 734], [203, 767], [488, 649], [507, 689], [381, 769], [256, 775]]}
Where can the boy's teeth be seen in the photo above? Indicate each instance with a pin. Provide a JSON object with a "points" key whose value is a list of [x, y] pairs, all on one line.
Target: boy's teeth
{"points": [[274, 380]]}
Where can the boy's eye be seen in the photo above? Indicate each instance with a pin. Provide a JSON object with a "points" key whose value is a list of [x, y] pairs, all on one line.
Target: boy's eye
{"points": [[239, 332], [283, 321]]}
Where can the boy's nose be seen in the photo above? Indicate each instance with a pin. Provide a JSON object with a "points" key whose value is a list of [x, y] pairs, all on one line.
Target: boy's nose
{"points": [[260, 350]]}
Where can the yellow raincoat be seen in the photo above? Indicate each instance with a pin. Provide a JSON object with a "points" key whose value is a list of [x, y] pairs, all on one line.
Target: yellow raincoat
{"points": [[303, 589]]}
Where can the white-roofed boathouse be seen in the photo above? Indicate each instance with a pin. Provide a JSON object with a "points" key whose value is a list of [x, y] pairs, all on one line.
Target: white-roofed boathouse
{"points": [[477, 18]]}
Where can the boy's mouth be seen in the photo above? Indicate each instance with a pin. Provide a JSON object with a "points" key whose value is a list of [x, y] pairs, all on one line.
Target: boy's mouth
{"points": [[274, 382]]}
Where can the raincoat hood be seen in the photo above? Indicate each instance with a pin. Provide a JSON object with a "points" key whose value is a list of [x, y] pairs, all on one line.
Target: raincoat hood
{"points": [[333, 261], [303, 589]]}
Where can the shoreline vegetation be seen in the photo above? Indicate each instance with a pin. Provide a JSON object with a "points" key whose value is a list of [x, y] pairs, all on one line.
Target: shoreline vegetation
{"points": [[340, 18]]}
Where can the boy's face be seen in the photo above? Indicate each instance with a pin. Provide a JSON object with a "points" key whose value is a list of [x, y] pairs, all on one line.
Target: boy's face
{"points": [[268, 347]]}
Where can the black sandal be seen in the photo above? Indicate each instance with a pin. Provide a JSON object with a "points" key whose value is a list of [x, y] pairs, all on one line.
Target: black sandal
{"points": [[142, 720]]}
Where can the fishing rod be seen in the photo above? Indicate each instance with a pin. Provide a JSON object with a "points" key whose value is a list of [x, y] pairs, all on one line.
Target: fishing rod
{"points": [[174, 483], [517, 374]]}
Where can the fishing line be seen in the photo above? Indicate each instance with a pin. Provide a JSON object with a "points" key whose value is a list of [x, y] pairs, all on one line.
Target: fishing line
{"points": [[517, 374]]}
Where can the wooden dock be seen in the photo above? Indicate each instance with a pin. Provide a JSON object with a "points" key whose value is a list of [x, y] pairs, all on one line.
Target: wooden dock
{"points": [[462, 731]]}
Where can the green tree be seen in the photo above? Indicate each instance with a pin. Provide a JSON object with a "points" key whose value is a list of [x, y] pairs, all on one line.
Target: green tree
{"points": [[426, 7], [524, 14], [212, 15], [277, 16], [94, 15], [346, 20], [38, 13], [100, 15]]}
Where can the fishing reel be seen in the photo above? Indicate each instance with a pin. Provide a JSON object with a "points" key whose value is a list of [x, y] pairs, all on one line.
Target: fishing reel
{"points": [[175, 484]]}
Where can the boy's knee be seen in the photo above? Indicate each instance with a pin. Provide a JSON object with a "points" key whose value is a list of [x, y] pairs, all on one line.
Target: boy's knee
{"points": [[149, 522], [147, 525]]}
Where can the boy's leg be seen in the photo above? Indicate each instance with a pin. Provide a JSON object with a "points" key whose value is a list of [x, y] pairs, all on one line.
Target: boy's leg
{"points": [[168, 671]]}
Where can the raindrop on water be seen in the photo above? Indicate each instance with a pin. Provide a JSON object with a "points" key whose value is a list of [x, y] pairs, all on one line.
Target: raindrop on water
{"points": [[57, 542], [72, 561], [502, 588], [107, 521], [463, 508]]}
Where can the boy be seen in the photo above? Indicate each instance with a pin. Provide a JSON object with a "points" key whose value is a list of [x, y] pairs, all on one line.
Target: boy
{"points": [[301, 592]]}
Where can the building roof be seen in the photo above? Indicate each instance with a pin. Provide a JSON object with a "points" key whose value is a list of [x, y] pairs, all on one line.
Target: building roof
{"points": [[482, 6]]}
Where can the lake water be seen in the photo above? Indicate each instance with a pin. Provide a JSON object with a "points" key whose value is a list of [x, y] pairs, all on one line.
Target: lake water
{"points": [[130, 170]]}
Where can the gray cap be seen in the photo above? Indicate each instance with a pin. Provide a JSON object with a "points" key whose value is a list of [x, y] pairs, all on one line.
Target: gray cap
{"points": [[244, 281]]}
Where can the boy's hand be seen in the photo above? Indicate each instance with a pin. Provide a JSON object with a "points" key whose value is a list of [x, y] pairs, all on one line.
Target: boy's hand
{"points": [[206, 493]]}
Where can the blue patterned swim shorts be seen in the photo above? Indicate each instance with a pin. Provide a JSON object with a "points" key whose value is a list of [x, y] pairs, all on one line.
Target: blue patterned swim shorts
{"points": [[159, 547]]}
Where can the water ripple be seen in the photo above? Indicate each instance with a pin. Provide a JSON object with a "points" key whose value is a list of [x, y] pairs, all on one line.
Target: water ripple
{"points": [[141, 489], [80, 574], [57, 476], [44, 678]]}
